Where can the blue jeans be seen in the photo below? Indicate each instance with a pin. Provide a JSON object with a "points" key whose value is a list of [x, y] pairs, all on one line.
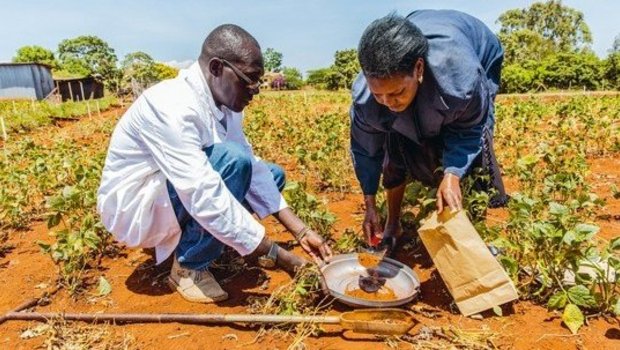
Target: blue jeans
{"points": [[197, 247]]}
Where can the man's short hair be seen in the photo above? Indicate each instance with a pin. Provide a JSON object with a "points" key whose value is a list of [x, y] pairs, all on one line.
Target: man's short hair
{"points": [[391, 45], [230, 42]]}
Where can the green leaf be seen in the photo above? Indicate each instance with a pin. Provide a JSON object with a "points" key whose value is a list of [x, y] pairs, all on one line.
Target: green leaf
{"points": [[614, 244], [569, 237], [498, 311], [528, 160], [617, 307], [104, 287], [510, 265], [54, 220], [557, 301], [428, 201], [580, 295], [583, 278], [69, 191], [44, 246], [557, 209], [301, 290], [56, 202], [573, 318], [585, 231]]}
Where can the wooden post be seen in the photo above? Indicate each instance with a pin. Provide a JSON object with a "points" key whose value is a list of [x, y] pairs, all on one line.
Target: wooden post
{"points": [[82, 89], [32, 104], [4, 135], [14, 108], [70, 90], [98, 109], [88, 108]]}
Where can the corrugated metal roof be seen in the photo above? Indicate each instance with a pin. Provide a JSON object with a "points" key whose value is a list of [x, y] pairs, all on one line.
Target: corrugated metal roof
{"points": [[24, 64], [30, 80]]}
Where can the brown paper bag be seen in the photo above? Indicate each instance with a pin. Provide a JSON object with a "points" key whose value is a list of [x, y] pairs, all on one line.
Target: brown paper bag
{"points": [[475, 279]]}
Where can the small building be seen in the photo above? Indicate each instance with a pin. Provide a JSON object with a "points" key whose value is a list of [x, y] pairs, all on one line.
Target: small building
{"points": [[78, 89], [273, 81], [25, 80]]}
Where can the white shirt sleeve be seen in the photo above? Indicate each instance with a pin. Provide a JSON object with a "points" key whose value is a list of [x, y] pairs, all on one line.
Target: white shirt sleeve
{"points": [[174, 141], [263, 196]]}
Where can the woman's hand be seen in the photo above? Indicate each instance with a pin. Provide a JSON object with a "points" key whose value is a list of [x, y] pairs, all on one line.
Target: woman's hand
{"points": [[449, 193], [372, 222], [316, 246]]}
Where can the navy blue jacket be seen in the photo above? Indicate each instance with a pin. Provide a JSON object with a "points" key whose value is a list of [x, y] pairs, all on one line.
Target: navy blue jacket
{"points": [[455, 100]]}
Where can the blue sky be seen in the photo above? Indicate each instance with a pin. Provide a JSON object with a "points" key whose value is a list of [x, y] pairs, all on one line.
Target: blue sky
{"points": [[306, 32]]}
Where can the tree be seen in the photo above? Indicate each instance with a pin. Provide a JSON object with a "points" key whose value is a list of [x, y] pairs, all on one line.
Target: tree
{"points": [[339, 75], [524, 45], [541, 29], [138, 66], [318, 77], [612, 67], [273, 60], [567, 70], [616, 46], [293, 78], [163, 71], [344, 70], [142, 67], [89, 55], [563, 70], [36, 54], [519, 78], [141, 71]]}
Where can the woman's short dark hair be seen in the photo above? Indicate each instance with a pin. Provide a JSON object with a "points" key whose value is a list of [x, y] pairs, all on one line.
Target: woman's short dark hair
{"points": [[391, 45]]}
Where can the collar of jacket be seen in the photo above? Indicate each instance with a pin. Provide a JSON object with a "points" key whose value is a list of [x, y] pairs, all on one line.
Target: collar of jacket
{"points": [[428, 101], [196, 80]]}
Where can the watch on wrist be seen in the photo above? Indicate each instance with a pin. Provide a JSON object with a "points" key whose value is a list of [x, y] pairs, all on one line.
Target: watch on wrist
{"points": [[270, 259]]}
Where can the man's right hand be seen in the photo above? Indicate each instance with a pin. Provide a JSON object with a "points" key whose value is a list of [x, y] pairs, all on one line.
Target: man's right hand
{"points": [[372, 222]]}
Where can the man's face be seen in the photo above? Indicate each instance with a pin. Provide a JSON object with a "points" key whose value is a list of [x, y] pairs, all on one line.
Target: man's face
{"points": [[231, 87], [398, 91]]}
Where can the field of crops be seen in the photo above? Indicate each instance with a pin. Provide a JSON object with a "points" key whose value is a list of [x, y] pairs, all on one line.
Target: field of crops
{"points": [[560, 157]]}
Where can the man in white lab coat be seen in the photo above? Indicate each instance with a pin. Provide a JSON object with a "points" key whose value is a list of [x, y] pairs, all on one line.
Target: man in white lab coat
{"points": [[180, 175]]}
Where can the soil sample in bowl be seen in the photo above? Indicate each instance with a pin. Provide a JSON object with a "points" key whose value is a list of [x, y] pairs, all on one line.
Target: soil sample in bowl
{"points": [[368, 260], [384, 293]]}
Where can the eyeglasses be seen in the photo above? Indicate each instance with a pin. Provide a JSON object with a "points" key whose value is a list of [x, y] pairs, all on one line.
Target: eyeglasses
{"points": [[251, 85]]}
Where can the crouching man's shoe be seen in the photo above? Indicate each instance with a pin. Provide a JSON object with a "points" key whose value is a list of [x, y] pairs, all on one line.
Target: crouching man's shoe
{"points": [[197, 286]]}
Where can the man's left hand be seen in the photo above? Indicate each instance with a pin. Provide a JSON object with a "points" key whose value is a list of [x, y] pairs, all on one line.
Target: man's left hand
{"points": [[449, 193], [316, 246]]}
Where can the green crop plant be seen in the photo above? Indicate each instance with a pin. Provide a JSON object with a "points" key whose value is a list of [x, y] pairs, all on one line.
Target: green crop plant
{"points": [[24, 115], [349, 242], [309, 208]]}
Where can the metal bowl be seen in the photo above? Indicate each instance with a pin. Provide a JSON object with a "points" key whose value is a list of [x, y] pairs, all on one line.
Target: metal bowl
{"points": [[343, 272]]}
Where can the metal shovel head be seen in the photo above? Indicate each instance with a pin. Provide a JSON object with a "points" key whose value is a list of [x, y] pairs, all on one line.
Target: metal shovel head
{"points": [[378, 321]]}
